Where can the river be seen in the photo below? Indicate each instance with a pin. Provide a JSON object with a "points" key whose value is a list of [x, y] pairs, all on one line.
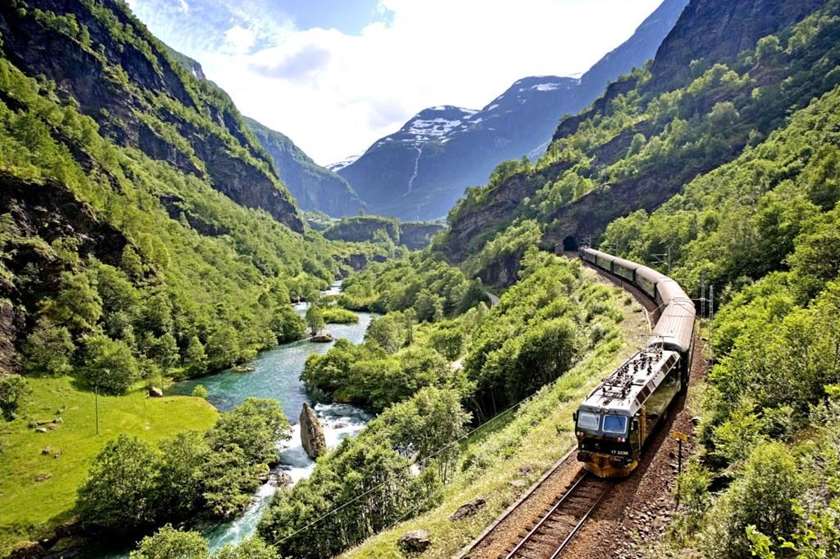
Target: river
{"points": [[276, 375]]}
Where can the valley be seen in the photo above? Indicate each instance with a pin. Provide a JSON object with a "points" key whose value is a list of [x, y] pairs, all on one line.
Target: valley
{"points": [[213, 346]]}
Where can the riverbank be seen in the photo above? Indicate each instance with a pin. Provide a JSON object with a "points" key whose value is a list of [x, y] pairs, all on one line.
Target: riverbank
{"points": [[43, 466]]}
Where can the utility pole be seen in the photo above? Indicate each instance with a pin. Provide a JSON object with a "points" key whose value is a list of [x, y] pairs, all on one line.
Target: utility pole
{"points": [[96, 403]]}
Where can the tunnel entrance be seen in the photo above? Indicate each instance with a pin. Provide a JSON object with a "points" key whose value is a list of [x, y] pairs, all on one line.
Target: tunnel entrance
{"points": [[570, 244]]}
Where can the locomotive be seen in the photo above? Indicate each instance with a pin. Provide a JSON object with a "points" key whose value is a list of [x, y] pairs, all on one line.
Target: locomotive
{"points": [[617, 418]]}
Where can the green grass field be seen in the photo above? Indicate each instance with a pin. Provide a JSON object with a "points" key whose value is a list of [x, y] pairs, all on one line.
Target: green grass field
{"points": [[40, 472]]}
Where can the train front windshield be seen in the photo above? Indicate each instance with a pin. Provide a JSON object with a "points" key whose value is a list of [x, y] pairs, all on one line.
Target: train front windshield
{"points": [[615, 424], [588, 421]]}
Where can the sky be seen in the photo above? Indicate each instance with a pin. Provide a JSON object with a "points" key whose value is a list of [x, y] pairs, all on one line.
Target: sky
{"points": [[336, 75]]}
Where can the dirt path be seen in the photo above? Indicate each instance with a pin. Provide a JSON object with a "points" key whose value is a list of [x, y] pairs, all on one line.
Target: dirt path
{"points": [[637, 510]]}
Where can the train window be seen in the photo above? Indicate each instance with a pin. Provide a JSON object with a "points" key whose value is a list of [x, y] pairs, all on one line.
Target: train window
{"points": [[588, 421], [615, 424]]}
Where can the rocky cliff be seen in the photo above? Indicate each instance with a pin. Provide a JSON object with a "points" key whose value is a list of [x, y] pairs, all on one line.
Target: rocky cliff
{"points": [[412, 235], [311, 433], [421, 170], [98, 54], [638, 144], [314, 187]]}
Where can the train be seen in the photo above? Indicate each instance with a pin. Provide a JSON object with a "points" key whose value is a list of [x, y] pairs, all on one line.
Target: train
{"points": [[616, 419]]}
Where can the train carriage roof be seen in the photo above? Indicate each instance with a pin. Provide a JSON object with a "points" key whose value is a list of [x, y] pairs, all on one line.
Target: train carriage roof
{"points": [[675, 325], [629, 386]]}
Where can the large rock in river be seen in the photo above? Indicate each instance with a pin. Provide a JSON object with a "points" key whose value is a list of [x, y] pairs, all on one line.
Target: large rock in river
{"points": [[311, 433]]}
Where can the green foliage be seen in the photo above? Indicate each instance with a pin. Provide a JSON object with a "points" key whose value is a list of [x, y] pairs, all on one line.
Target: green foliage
{"points": [[252, 548], [118, 495], [13, 390], [109, 366], [255, 426], [367, 482], [200, 391], [762, 498], [337, 315], [314, 319], [169, 543], [396, 285], [132, 487], [48, 349]]}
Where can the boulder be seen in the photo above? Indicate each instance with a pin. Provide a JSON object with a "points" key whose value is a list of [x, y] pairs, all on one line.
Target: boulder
{"points": [[311, 433], [322, 337], [416, 541], [468, 509], [155, 392]]}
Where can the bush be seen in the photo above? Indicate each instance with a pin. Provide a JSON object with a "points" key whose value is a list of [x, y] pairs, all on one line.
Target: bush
{"points": [[12, 391], [169, 543], [109, 365], [336, 315], [119, 494], [200, 391]]}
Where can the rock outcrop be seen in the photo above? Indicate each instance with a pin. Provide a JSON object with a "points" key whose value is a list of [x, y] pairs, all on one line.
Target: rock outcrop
{"points": [[420, 171], [311, 433], [157, 105], [416, 541]]}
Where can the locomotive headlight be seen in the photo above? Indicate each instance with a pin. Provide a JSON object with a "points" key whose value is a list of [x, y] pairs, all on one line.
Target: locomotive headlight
{"points": [[621, 439]]}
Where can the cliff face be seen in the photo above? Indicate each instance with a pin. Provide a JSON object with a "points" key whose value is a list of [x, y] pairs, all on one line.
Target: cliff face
{"points": [[412, 235], [99, 55], [636, 147], [421, 170], [314, 187], [719, 31]]}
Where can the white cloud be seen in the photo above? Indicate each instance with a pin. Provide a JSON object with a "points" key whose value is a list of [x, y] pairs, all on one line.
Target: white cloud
{"points": [[336, 93], [239, 40]]}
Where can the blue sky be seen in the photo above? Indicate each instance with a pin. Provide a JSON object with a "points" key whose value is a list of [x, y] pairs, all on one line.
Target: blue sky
{"points": [[335, 75]]}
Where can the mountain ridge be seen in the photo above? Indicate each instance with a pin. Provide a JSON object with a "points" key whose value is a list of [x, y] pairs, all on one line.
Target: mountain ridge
{"points": [[394, 179]]}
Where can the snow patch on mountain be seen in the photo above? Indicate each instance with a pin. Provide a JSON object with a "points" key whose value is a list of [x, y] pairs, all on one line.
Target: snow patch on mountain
{"points": [[335, 167]]}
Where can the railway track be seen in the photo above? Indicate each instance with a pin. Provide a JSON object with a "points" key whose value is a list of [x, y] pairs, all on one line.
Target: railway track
{"points": [[562, 521]]}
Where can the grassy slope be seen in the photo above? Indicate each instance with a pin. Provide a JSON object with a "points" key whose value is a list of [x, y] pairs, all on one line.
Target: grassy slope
{"points": [[538, 434], [29, 505]]}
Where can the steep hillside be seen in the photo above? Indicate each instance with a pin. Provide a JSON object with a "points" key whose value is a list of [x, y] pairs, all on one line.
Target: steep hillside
{"points": [[142, 231], [421, 170], [764, 230], [97, 53], [410, 234], [314, 187], [638, 145]]}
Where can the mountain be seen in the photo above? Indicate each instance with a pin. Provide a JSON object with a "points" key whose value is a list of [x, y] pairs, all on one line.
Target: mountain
{"points": [[139, 217], [141, 97], [721, 81], [421, 170], [370, 228], [314, 187]]}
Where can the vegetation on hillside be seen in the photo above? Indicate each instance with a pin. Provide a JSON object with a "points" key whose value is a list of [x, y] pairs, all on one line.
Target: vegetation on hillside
{"points": [[764, 231], [642, 136], [431, 380]]}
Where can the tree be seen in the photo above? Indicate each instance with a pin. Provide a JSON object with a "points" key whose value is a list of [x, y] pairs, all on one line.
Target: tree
{"points": [[252, 548], [119, 493], [108, 365], [429, 306], [222, 347], [78, 305], [314, 319], [12, 390], [386, 332], [48, 349], [255, 426], [200, 391], [762, 497], [180, 476], [195, 355], [169, 543]]}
